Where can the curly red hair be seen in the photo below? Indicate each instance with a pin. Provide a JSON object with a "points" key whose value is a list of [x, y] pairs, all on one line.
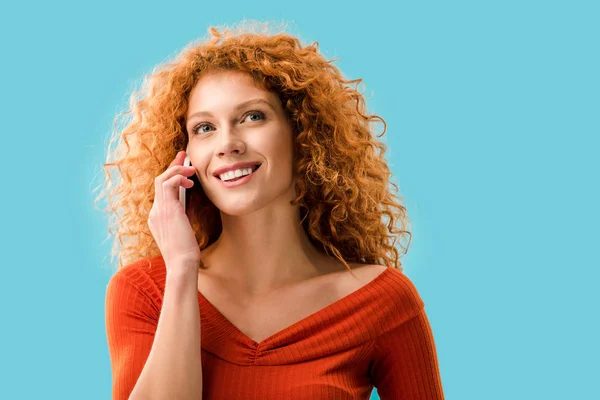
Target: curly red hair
{"points": [[342, 185]]}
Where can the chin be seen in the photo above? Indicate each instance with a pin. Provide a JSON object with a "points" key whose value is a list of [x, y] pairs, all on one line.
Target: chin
{"points": [[238, 209]]}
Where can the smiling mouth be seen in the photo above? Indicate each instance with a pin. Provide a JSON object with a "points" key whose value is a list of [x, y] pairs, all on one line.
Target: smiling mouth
{"points": [[240, 177]]}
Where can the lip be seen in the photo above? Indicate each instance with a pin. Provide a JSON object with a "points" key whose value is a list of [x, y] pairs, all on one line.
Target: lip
{"points": [[239, 182], [240, 165]]}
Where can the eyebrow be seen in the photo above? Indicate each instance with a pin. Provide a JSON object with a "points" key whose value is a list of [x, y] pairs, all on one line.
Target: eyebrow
{"points": [[237, 108]]}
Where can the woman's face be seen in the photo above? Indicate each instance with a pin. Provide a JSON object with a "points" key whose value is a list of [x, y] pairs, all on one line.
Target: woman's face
{"points": [[230, 120]]}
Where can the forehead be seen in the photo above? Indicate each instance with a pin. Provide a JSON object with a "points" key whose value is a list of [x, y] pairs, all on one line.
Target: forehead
{"points": [[222, 85]]}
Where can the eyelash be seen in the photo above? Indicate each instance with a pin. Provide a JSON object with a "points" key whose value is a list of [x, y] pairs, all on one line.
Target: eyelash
{"points": [[196, 128]]}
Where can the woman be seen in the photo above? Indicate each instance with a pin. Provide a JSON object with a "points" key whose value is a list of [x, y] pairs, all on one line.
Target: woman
{"points": [[280, 280]]}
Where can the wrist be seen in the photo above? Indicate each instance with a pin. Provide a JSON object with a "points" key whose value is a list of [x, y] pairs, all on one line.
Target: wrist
{"points": [[182, 268]]}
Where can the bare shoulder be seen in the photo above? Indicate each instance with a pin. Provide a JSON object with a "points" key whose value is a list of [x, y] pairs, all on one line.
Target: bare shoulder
{"points": [[367, 272], [346, 282]]}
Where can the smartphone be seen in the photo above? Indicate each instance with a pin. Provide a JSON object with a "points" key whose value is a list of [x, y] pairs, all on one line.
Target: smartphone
{"points": [[186, 163]]}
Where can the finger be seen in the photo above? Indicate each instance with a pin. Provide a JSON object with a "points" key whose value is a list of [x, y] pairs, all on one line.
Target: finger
{"points": [[158, 197], [173, 170], [178, 160], [158, 182], [177, 163], [171, 187]]}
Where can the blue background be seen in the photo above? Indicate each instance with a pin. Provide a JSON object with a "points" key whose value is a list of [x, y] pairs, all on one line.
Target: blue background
{"points": [[493, 127]]}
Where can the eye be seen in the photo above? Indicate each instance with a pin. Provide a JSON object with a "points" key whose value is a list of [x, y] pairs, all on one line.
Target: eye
{"points": [[197, 129], [255, 113]]}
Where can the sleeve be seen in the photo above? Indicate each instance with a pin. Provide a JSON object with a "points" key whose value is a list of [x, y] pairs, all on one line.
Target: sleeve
{"points": [[405, 364], [131, 320]]}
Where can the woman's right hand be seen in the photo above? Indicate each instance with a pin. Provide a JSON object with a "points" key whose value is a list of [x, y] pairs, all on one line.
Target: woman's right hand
{"points": [[168, 221]]}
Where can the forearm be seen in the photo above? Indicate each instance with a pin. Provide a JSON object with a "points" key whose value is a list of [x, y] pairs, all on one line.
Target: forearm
{"points": [[173, 369]]}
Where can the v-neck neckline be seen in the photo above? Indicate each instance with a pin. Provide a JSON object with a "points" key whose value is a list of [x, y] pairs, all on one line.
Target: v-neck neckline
{"points": [[340, 302]]}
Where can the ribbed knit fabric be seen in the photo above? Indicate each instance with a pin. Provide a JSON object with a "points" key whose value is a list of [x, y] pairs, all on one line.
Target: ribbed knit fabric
{"points": [[377, 336]]}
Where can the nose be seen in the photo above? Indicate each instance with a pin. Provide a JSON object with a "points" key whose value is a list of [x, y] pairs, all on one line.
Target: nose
{"points": [[229, 143]]}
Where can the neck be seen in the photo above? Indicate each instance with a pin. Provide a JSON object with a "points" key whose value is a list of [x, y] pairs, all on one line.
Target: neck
{"points": [[257, 259]]}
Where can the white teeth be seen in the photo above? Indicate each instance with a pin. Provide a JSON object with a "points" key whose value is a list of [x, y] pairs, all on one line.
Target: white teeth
{"points": [[235, 174]]}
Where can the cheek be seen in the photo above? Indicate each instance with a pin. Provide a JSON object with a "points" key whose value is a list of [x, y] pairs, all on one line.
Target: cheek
{"points": [[202, 171], [277, 146]]}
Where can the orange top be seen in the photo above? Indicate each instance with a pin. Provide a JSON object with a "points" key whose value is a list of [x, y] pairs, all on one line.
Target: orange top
{"points": [[377, 336]]}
